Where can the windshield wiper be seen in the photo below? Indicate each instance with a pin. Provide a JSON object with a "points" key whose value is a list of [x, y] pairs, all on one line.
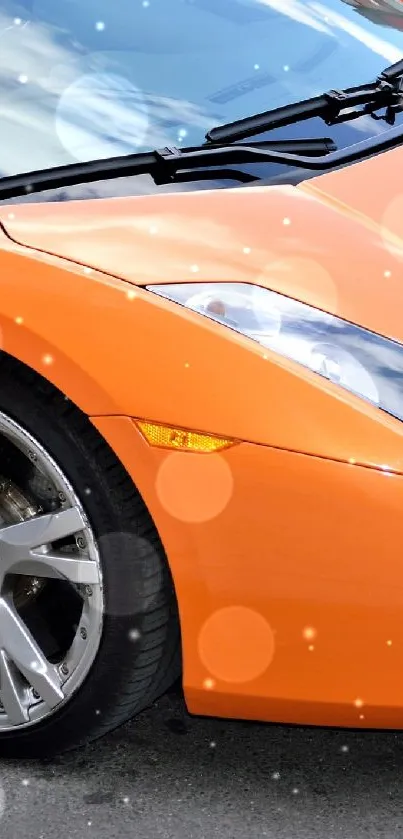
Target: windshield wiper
{"points": [[385, 92], [221, 149], [164, 164]]}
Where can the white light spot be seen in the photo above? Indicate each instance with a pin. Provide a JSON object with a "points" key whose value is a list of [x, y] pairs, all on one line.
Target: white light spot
{"points": [[311, 648], [187, 364], [358, 703], [19, 320], [194, 269], [352, 461], [145, 4], [47, 359], [94, 100], [309, 633], [87, 491], [209, 684], [87, 269], [153, 230], [89, 824], [134, 635], [276, 776], [286, 222], [22, 78], [387, 274], [126, 799], [25, 782], [17, 21], [97, 712], [246, 250], [131, 295], [389, 643], [286, 68], [344, 749], [11, 216], [362, 717], [256, 66], [182, 132], [213, 744], [100, 26], [295, 791]]}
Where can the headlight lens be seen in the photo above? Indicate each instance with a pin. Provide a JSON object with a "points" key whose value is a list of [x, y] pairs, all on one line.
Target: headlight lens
{"points": [[354, 358]]}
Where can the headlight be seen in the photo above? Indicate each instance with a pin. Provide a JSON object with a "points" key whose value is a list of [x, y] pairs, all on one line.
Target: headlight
{"points": [[354, 358]]}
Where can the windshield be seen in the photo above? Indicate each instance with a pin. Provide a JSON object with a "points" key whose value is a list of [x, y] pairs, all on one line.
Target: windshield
{"points": [[84, 79]]}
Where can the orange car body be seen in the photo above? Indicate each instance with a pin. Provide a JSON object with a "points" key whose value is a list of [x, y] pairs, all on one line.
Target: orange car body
{"points": [[285, 548]]}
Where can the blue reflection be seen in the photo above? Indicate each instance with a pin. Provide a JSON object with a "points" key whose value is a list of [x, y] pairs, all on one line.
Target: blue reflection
{"points": [[360, 361], [378, 357], [80, 80]]}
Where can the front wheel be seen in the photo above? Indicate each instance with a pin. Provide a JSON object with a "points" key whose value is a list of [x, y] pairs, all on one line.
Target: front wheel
{"points": [[89, 630]]}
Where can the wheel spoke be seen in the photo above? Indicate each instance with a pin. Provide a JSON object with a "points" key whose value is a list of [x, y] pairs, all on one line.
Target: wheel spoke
{"points": [[52, 604], [22, 649], [11, 691], [20, 548], [54, 565]]}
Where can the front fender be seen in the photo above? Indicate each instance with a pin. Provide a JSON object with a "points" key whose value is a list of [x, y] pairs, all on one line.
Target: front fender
{"points": [[114, 349]]}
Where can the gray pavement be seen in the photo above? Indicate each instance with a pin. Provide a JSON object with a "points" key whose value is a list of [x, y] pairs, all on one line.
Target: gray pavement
{"points": [[170, 776]]}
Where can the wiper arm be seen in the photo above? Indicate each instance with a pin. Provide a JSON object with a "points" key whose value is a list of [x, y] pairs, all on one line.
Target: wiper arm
{"points": [[163, 164], [221, 150], [385, 92]]}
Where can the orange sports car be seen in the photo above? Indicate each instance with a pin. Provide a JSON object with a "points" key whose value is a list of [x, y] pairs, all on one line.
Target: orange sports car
{"points": [[201, 364]]}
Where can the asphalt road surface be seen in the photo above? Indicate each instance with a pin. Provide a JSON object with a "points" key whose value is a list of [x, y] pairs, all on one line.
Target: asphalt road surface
{"points": [[170, 776]]}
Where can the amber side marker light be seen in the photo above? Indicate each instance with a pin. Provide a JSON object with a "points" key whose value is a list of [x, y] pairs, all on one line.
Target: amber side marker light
{"points": [[169, 437]]}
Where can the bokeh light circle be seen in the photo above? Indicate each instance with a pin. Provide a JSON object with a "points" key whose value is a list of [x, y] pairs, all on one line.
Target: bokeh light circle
{"points": [[194, 487], [101, 115], [302, 278], [236, 644], [126, 601]]}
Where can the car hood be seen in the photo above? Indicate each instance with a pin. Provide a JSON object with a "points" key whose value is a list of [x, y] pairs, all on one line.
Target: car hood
{"points": [[335, 241]]}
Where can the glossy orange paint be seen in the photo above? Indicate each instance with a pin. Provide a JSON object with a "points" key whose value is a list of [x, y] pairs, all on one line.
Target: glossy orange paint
{"points": [[292, 552], [285, 548]]}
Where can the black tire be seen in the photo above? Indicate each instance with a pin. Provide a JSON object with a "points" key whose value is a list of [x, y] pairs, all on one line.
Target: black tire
{"points": [[127, 675]]}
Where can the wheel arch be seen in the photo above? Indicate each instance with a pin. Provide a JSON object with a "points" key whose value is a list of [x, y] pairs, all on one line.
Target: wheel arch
{"points": [[65, 323], [48, 361], [15, 367]]}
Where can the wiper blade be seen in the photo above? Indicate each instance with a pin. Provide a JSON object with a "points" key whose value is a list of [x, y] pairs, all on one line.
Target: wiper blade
{"points": [[385, 92], [163, 164], [222, 150]]}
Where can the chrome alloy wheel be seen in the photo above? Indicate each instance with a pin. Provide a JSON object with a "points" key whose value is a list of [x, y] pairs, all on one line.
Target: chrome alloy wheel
{"points": [[51, 593]]}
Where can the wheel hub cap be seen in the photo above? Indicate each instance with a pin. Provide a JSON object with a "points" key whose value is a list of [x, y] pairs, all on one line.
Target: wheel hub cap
{"points": [[51, 600]]}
